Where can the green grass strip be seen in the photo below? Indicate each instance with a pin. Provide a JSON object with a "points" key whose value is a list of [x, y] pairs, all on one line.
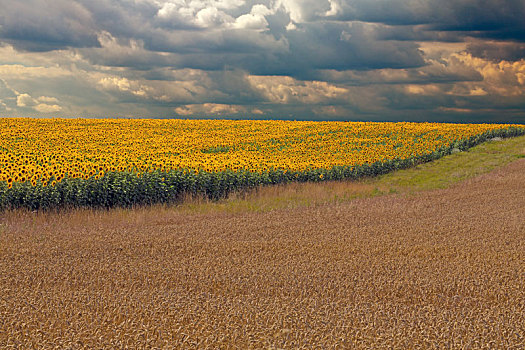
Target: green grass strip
{"points": [[454, 168]]}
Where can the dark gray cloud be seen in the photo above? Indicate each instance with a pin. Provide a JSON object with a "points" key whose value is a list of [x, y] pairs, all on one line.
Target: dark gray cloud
{"points": [[295, 59], [211, 40], [40, 25], [502, 19], [496, 51]]}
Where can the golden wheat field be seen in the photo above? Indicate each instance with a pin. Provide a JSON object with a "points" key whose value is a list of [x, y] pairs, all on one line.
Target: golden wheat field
{"points": [[442, 269]]}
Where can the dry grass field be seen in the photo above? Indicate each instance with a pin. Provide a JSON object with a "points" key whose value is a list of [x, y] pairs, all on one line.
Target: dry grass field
{"points": [[431, 269]]}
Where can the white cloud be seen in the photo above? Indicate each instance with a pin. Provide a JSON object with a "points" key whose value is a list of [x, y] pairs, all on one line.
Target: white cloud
{"points": [[335, 8], [256, 19], [250, 21], [423, 89], [504, 78], [24, 100], [283, 89], [168, 10], [46, 99], [45, 108], [42, 104], [204, 14], [294, 8], [213, 14], [291, 26], [260, 9], [25, 70], [115, 83], [125, 85], [18, 71], [190, 86], [212, 17], [302, 11]]}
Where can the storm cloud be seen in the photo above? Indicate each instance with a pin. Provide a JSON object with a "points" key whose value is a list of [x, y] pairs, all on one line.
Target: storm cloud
{"points": [[293, 59]]}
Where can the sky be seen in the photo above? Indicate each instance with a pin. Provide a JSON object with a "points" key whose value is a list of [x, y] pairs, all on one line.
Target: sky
{"points": [[371, 60]]}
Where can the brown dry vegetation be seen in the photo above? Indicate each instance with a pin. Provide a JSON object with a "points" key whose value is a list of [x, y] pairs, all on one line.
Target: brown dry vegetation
{"points": [[435, 269]]}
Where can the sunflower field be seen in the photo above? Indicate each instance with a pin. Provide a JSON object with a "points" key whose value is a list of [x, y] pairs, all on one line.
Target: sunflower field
{"points": [[55, 163]]}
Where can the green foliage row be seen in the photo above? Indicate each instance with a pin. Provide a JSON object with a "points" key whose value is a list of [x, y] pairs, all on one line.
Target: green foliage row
{"points": [[127, 189], [216, 149]]}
